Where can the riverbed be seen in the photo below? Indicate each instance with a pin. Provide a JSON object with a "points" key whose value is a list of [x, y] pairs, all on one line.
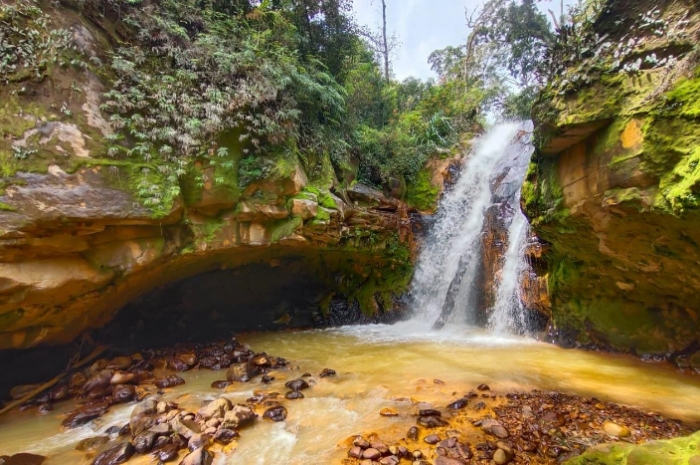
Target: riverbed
{"points": [[378, 367]]}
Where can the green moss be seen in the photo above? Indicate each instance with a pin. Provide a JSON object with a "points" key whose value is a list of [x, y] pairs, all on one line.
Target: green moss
{"points": [[679, 451], [326, 200], [7, 208], [284, 228], [422, 193]]}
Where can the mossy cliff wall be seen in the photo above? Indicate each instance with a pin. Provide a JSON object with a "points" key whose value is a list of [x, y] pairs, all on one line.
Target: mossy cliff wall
{"points": [[83, 233], [614, 185]]}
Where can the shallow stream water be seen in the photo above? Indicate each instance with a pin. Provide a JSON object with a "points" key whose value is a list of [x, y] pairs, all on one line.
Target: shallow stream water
{"points": [[378, 367]]}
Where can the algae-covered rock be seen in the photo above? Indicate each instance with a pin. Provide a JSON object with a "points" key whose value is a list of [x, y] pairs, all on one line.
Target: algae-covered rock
{"points": [[613, 186], [91, 219], [681, 451]]}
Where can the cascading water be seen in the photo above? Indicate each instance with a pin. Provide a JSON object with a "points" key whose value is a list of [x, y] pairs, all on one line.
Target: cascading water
{"points": [[443, 289]]}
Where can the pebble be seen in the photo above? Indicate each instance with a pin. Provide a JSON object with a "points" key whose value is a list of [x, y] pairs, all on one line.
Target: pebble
{"points": [[327, 372], [483, 387], [294, 395], [115, 455], [412, 433], [613, 429], [432, 439], [388, 412], [276, 414], [169, 381], [221, 384], [297, 384], [371, 454], [458, 404], [495, 428]]}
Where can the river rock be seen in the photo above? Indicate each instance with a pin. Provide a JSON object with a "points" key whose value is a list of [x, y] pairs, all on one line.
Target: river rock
{"points": [[412, 433], [613, 429], [432, 439], [99, 380], [123, 393], [60, 392], [169, 381], [24, 458], [361, 442], [121, 377], [45, 408], [277, 413], [167, 452], [458, 404], [238, 417], [388, 412], [185, 427], [355, 452], [115, 455], [143, 443], [220, 384], [198, 441], [215, 409], [327, 372], [198, 457], [225, 435], [495, 428], [294, 395], [431, 422], [371, 454], [242, 372], [483, 387], [92, 443], [86, 413], [297, 384], [502, 457]]}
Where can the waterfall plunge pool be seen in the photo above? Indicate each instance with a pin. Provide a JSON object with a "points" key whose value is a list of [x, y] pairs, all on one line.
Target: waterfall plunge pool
{"points": [[378, 366]]}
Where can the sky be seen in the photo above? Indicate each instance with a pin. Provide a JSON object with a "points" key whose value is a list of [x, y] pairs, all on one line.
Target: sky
{"points": [[423, 26]]}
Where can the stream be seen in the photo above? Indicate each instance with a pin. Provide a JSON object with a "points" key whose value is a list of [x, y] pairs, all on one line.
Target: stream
{"points": [[375, 365]]}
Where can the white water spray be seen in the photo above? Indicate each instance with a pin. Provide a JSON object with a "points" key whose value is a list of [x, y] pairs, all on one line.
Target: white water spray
{"points": [[443, 288]]}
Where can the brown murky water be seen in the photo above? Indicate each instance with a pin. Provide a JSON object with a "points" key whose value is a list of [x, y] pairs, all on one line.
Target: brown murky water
{"points": [[376, 367]]}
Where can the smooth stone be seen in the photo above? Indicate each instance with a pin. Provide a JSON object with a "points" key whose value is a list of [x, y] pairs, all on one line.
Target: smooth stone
{"points": [[121, 378], [388, 412], [431, 422], [120, 363], [297, 384], [99, 380], [115, 455], [198, 457], [501, 457], [483, 387], [371, 454], [429, 412], [45, 408], [432, 439], [169, 381], [495, 428], [198, 441], [167, 453], [361, 443], [613, 429], [143, 443], [355, 452], [294, 395], [458, 404], [225, 436], [86, 413], [215, 409], [92, 443], [327, 372], [239, 417], [278, 413], [412, 433], [123, 393], [220, 384]]}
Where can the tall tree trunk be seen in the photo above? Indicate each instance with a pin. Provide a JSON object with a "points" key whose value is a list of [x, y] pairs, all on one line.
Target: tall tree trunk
{"points": [[385, 50]]}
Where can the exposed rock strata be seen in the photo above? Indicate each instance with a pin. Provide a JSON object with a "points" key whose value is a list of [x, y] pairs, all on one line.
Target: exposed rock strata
{"points": [[614, 184]]}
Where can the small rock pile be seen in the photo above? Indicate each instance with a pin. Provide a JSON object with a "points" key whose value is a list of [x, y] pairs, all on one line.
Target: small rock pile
{"points": [[518, 428], [126, 378]]}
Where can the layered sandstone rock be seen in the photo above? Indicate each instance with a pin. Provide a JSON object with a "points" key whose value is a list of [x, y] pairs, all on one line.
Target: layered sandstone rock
{"points": [[614, 183], [84, 232]]}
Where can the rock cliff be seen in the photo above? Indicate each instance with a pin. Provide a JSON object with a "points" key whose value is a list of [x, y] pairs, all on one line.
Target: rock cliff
{"points": [[614, 185], [84, 232]]}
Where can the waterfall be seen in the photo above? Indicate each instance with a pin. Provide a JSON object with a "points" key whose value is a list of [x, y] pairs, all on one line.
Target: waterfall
{"points": [[443, 288]]}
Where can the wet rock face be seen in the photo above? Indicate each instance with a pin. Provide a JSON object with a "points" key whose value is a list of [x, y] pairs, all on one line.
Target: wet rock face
{"points": [[613, 190]]}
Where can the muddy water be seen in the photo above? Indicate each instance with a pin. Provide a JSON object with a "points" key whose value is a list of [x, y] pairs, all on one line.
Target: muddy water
{"points": [[379, 367]]}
